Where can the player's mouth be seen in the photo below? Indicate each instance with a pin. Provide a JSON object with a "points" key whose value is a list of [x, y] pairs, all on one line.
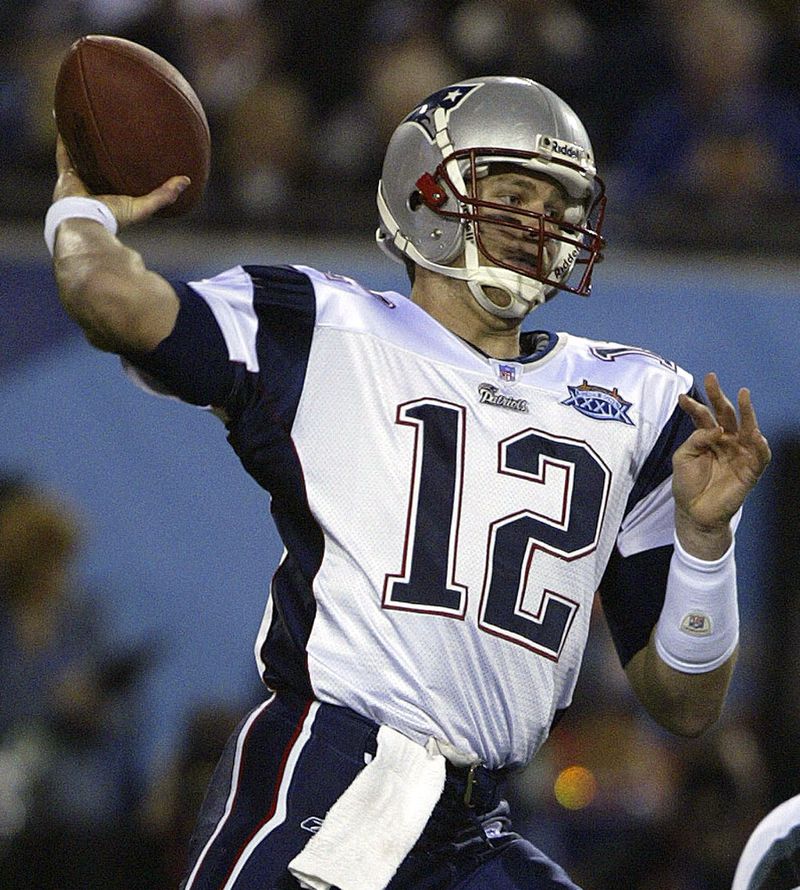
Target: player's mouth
{"points": [[522, 257], [518, 250], [526, 261]]}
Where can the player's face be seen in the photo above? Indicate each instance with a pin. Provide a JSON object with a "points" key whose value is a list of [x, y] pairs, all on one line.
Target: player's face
{"points": [[515, 189]]}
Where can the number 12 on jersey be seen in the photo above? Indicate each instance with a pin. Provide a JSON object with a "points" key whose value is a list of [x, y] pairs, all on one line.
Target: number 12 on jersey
{"points": [[566, 472]]}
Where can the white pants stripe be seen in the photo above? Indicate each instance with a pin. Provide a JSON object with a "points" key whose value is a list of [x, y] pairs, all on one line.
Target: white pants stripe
{"points": [[279, 816], [234, 787]]}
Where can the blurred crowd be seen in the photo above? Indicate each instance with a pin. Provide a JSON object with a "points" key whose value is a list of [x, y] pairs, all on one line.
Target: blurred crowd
{"points": [[77, 810], [693, 105]]}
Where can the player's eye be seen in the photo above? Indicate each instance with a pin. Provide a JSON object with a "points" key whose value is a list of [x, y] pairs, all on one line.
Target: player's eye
{"points": [[511, 200], [557, 214]]}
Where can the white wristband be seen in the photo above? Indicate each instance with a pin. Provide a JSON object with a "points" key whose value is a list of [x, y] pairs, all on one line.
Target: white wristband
{"points": [[76, 208], [698, 628]]}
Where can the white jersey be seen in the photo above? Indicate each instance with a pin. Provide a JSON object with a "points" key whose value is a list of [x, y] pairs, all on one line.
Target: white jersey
{"points": [[447, 517]]}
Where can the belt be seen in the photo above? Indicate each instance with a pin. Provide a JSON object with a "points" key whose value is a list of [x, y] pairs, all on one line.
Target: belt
{"points": [[472, 786], [475, 786]]}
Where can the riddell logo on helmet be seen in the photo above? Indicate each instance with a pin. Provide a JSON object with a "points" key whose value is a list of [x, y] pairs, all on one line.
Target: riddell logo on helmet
{"points": [[566, 149], [565, 266]]}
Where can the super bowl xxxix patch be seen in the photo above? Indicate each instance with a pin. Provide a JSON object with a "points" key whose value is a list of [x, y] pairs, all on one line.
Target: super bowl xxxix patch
{"points": [[598, 402]]}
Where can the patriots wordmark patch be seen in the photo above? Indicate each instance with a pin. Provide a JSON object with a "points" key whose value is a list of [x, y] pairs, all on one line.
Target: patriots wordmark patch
{"points": [[598, 403], [447, 99], [491, 395]]}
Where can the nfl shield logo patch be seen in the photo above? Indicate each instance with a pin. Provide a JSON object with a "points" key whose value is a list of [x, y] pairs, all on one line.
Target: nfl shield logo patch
{"points": [[698, 624], [507, 372]]}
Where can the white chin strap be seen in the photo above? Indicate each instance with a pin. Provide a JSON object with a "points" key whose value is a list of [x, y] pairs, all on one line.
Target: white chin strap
{"points": [[524, 294]]}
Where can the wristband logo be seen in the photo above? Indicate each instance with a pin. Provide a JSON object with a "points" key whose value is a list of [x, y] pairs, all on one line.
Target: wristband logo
{"points": [[698, 624]]}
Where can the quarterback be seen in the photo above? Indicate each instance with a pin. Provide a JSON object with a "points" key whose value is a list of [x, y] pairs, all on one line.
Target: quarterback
{"points": [[451, 493]]}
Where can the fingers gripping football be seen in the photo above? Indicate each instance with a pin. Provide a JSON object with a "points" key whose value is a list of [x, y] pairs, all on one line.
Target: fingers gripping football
{"points": [[126, 208]]}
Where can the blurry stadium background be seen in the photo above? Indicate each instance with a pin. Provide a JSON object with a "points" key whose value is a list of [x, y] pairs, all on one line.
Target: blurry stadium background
{"points": [[694, 109]]}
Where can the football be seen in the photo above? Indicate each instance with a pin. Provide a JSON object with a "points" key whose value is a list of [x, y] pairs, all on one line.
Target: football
{"points": [[130, 120]]}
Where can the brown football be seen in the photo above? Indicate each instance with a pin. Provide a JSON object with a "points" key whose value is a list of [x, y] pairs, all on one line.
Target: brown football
{"points": [[130, 120]]}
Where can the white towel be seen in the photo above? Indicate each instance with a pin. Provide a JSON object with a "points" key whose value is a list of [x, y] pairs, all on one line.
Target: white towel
{"points": [[372, 827]]}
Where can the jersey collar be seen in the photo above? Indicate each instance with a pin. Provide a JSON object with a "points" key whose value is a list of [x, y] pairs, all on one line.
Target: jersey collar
{"points": [[534, 345]]}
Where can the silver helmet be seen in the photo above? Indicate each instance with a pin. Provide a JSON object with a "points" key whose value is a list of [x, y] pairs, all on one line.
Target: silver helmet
{"points": [[428, 203]]}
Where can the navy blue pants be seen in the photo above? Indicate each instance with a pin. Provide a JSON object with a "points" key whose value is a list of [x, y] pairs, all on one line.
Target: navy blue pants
{"points": [[288, 762]]}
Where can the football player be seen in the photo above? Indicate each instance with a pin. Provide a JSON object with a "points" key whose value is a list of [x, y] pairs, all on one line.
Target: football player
{"points": [[770, 859], [451, 493]]}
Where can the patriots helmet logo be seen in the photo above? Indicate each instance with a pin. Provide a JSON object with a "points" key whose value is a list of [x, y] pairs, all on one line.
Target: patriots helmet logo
{"points": [[447, 98]]}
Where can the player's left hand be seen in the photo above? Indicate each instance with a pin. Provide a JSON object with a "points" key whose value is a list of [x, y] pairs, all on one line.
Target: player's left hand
{"points": [[715, 468]]}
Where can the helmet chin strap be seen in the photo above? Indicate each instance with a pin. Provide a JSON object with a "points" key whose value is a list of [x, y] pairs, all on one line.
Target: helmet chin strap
{"points": [[524, 293], [521, 301]]}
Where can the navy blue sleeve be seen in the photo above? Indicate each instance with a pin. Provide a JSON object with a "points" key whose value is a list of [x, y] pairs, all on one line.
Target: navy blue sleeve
{"points": [[192, 362], [263, 406], [633, 588], [632, 594], [284, 301], [658, 465]]}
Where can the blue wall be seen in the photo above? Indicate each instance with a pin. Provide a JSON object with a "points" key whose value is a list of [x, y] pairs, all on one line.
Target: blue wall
{"points": [[180, 543]]}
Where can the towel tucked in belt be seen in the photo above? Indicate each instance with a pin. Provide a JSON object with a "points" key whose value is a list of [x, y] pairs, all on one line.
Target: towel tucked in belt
{"points": [[372, 827]]}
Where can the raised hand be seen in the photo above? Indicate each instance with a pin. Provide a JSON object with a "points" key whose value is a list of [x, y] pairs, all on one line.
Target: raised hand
{"points": [[716, 467], [126, 209]]}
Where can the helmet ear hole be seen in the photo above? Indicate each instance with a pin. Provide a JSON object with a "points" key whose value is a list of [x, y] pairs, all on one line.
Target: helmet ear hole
{"points": [[415, 200]]}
